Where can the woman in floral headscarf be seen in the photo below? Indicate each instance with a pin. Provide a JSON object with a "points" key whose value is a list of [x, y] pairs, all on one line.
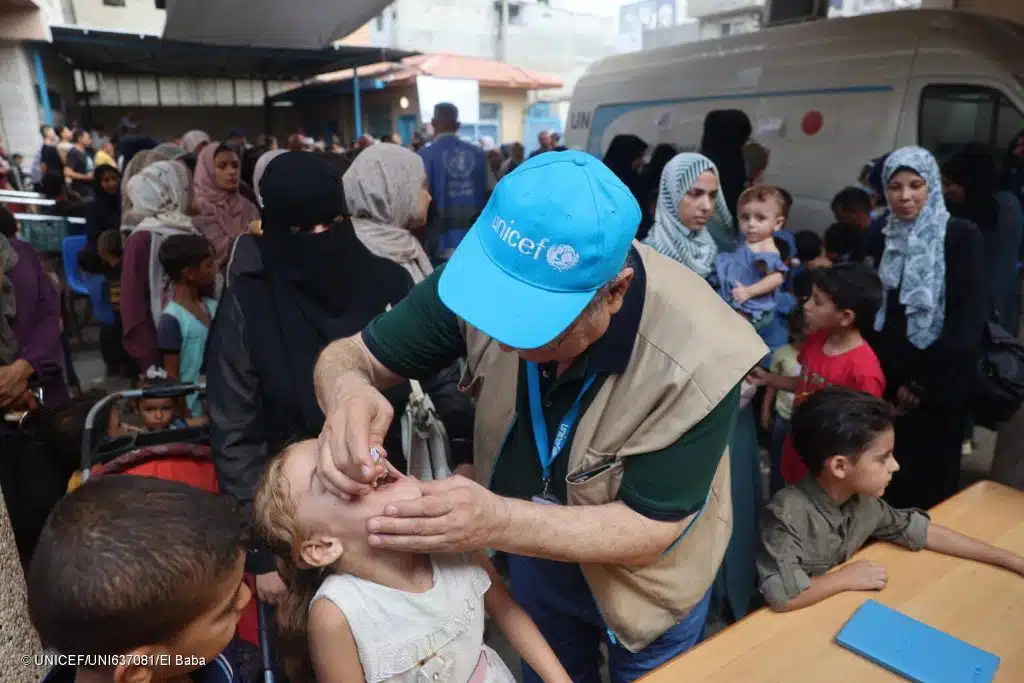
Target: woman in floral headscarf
{"points": [[159, 196], [929, 327], [224, 214]]}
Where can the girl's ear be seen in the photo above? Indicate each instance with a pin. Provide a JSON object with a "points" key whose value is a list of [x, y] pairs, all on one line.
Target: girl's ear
{"points": [[320, 550]]}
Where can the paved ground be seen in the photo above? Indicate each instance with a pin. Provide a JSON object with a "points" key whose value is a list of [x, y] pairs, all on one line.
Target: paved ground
{"points": [[976, 466]]}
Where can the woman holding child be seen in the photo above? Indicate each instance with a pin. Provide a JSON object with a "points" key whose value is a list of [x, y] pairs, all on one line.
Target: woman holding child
{"points": [[929, 328], [690, 212]]}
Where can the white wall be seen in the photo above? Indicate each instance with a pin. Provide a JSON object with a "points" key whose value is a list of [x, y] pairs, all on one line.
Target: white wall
{"points": [[136, 15], [19, 114]]}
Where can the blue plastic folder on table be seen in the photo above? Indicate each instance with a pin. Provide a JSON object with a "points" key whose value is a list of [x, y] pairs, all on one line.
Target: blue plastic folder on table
{"points": [[914, 650]]}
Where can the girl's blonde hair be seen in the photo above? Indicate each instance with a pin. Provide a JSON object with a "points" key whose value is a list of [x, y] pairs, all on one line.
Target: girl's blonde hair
{"points": [[275, 516]]}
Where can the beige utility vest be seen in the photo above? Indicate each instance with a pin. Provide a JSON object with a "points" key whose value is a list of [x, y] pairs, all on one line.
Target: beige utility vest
{"points": [[690, 352]]}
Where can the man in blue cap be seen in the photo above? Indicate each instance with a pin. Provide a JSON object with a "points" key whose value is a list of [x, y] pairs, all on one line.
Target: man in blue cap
{"points": [[606, 379]]}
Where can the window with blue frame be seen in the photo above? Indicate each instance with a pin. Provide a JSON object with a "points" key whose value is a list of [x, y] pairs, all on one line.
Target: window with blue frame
{"points": [[489, 124]]}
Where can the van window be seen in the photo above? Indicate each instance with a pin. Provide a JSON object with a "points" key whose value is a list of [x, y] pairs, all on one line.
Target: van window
{"points": [[953, 115]]}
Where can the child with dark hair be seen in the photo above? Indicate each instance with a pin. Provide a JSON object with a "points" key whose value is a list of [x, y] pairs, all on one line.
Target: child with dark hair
{"points": [[109, 254], [810, 250], [846, 438], [852, 205], [191, 266], [141, 577], [810, 254], [843, 302], [844, 243], [158, 414], [777, 406]]}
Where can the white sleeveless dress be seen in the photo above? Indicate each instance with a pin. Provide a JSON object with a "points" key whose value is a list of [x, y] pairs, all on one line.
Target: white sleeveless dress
{"points": [[431, 637]]}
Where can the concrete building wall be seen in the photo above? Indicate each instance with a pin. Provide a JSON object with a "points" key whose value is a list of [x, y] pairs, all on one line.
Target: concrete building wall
{"points": [[120, 15], [559, 42], [554, 39], [19, 109]]}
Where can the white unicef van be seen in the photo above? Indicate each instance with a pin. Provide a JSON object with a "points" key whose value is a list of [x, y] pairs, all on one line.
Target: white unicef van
{"points": [[824, 97]]}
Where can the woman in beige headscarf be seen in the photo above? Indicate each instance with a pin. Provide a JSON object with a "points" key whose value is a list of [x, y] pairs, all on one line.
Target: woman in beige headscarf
{"points": [[159, 195], [386, 192], [166, 151]]}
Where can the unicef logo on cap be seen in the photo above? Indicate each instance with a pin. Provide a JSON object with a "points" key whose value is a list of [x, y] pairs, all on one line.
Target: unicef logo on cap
{"points": [[563, 257]]}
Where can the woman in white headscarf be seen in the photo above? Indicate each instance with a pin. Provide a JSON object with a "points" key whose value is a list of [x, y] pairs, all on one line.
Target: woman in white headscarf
{"points": [[929, 327], [159, 195], [194, 141], [260, 168], [691, 213], [387, 196]]}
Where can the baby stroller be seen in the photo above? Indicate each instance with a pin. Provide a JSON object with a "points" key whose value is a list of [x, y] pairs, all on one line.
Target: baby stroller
{"points": [[183, 455]]}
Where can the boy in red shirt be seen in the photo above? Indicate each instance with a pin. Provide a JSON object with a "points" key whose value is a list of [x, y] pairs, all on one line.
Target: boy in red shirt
{"points": [[844, 300]]}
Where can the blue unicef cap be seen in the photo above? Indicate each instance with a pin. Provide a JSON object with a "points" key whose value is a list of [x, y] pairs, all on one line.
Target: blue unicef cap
{"points": [[554, 231]]}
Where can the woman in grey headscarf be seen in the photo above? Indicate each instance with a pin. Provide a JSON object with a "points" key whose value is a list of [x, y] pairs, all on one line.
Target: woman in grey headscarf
{"points": [[387, 196]]}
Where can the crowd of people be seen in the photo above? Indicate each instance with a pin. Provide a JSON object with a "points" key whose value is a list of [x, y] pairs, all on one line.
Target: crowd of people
{"points": [[606, 342]]}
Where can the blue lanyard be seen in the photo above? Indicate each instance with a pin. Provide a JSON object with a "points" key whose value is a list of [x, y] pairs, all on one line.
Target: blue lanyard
{"points": [[547, 453]]}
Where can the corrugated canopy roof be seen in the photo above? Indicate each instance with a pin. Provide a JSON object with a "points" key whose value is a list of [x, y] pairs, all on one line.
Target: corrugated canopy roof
{"points": [[129, 53], [268, 23]]}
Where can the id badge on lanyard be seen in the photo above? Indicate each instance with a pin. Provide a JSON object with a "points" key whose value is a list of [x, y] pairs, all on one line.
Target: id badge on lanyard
{"points": [[546, 452]]}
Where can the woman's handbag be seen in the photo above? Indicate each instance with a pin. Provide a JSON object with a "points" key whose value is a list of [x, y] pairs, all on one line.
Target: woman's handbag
{"points": [[424, 438], [999, 392]]}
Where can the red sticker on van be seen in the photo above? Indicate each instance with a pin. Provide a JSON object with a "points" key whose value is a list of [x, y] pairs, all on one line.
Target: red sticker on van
{"points": [[812, 123]]}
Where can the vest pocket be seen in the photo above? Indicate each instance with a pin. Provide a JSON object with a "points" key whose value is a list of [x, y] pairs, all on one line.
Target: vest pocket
{"points": [[596, 480], [470, 384]]}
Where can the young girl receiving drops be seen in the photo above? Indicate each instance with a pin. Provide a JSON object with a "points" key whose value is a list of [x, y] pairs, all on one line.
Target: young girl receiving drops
{"points": [[359, 613]]}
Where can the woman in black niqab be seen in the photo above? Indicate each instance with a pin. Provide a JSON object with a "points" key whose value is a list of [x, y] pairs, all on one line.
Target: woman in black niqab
{"points": [[322, 282], [625, 159], [312, 283], [725, 133]]}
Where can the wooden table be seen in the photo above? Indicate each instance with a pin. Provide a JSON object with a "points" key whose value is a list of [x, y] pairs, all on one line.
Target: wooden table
{"points": [[979, 604]]}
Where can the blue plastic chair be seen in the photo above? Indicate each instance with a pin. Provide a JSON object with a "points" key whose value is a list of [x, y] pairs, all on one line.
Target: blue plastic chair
{"points": [[94, 287], [74, 277]]}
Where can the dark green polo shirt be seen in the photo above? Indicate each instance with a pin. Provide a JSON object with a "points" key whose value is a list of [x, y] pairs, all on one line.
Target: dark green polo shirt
{"points": [[421, 335]]}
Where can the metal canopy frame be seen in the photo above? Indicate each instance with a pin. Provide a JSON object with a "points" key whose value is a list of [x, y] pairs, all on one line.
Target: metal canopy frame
{"points": [[115, 52]]}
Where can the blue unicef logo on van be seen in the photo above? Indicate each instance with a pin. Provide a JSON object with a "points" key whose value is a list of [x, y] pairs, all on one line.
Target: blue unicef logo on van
{"points": [[563, 257]]}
